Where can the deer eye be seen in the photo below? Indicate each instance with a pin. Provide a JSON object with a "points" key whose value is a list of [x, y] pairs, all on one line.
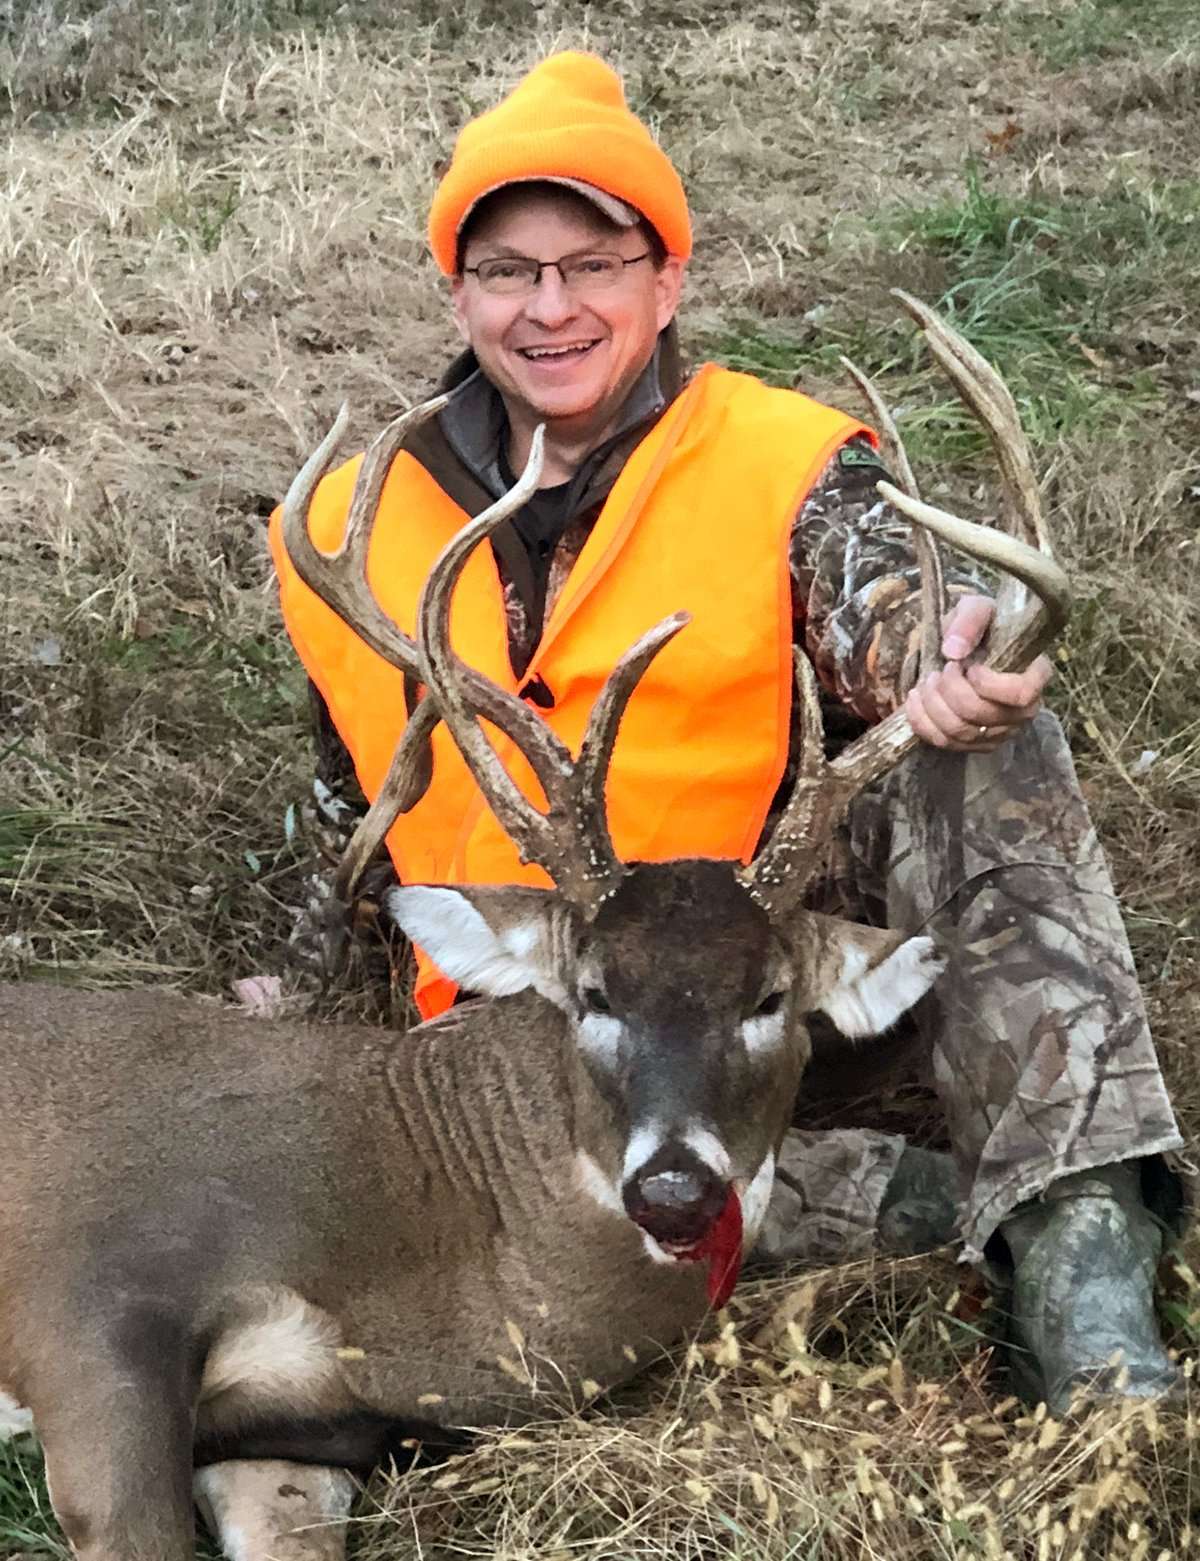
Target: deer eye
{"points": [[771, 1004], [595, 1001]]}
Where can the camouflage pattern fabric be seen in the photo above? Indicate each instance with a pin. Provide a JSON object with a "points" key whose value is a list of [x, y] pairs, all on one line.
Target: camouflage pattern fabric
{"points": [[1041, 1056], [828, 1189]]}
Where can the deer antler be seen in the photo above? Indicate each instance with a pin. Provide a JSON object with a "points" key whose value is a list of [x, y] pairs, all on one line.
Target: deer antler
{"points": [[1021, 628], [570, 839], [339, 578]]}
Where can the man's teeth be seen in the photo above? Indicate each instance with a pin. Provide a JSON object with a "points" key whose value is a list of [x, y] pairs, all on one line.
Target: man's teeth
{"points": [[555, 352]]}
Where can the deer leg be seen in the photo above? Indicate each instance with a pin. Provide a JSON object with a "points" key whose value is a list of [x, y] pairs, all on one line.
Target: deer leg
{"points": [[266, 1509], [116, 1430]]}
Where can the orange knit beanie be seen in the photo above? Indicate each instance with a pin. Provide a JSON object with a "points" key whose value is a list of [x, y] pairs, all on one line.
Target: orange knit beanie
{"points": [[566, 120]]}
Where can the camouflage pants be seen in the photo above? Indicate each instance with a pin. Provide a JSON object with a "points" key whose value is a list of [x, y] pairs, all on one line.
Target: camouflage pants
{"points": [[1041, 1058]]}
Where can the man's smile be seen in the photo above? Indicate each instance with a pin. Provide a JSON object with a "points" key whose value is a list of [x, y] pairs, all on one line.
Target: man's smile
{"points": [[565, 352]]}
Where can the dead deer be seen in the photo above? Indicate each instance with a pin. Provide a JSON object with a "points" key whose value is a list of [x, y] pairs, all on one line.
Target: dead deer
{"points": [[225, 1240]]}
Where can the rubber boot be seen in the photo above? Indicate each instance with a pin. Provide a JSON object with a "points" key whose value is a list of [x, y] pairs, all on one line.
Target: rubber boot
{"points": [[919, 1211], [884, 1196], [1080, 1293]]}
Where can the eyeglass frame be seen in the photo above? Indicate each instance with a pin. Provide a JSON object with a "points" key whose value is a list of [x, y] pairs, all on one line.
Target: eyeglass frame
{"points": [[557, 265]]}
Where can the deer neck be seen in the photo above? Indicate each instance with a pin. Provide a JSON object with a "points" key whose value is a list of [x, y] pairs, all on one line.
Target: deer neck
{"points": [[488, 1099]]}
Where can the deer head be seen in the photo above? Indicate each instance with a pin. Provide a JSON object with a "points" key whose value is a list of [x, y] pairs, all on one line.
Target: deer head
{"points": [[679, 988]]}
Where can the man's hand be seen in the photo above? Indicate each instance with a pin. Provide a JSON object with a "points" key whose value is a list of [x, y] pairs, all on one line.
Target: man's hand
{"points": [[974, 710]]}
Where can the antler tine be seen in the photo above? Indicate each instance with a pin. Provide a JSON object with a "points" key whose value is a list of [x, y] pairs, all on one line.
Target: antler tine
{"points": [[404, 785], [929, 560], [790, 858], [595, 752], [340, 578], [1023, 626], [531, 831], [571, 839], [783, 869], [895, 456], [1033, 568], [989, 398]]}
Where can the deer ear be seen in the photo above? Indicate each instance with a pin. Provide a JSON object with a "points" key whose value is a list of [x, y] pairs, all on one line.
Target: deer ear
{"points": [[494, 941], [869, 997]]}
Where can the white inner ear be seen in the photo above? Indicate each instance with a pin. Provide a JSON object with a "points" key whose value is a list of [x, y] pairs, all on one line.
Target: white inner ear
{"points": [[867, 1001], [463, 945]]}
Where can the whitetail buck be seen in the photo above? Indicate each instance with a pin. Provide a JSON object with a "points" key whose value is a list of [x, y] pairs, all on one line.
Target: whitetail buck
{"points": [[227, 1240]]}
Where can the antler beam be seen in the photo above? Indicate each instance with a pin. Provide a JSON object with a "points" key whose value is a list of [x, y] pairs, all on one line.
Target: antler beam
{"points": [[1021, 629]]}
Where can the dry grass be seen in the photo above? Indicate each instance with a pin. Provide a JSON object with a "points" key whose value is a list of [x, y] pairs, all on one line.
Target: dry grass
{"points": [[211, 232], [842, 1416]]}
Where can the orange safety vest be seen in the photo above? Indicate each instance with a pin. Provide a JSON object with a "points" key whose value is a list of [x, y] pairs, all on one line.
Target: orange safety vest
{"points": [[699, 519]]}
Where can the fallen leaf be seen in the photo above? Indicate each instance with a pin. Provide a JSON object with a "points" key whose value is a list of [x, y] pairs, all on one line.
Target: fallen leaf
{"points": [[1000, 141]]}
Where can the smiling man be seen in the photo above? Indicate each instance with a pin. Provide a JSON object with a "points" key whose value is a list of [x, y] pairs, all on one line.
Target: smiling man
{"points": [[564, 233]]}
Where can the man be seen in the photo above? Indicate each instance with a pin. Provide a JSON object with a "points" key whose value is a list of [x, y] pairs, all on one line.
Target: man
{"points": [[565, 233]]}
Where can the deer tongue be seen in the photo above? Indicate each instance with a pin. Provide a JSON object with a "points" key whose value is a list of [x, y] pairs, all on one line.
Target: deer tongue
{"points": [[721, 1246]]}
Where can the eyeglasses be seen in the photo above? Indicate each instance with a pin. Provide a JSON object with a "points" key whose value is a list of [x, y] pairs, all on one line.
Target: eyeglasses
{"points": [[509, 276]]}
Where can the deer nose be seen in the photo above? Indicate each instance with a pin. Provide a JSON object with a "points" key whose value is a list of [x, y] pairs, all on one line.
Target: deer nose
{"points": [[675, 1197]]}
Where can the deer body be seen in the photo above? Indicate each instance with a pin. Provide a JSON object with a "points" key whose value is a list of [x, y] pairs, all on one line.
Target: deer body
{"points": [[223, 1238], [410, 1196]]}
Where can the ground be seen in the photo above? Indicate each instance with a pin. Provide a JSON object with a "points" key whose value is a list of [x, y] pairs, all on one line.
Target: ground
{"points": [[211, 234]]}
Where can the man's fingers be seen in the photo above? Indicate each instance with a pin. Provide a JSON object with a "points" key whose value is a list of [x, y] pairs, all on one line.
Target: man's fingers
{"points": [[933, 726], [956, 704], [952, 701], [959, 724], [966, 625], [1012, 688], [918, 716], [947, 711]]}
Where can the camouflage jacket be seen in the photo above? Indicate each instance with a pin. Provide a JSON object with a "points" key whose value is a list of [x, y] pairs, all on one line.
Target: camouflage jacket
{"points": [[855, 581]]}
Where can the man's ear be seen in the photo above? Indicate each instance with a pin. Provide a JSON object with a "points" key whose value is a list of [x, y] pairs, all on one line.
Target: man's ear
{"points": [[495, 941], [667, 289]]}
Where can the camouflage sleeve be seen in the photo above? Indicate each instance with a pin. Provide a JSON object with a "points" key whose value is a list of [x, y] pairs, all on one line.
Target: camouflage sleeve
{"points": [[856, 586], [335, 785]]}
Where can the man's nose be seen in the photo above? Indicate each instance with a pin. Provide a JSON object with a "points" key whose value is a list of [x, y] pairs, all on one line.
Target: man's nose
{"points": [[550, 303]]}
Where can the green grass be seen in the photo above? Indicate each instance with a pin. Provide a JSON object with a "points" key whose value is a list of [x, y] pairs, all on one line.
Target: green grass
{"points": [[1063, 35], [1051, 291], [27, 1524], [201, 217], [254, 680]]}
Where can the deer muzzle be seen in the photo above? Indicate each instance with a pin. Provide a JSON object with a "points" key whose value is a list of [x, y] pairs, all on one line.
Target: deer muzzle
{"points": [[675, 1197]]}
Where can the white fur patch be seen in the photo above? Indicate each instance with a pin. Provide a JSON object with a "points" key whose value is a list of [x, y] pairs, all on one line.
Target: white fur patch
{"points": [[461, 943], [644, 1141], [600, 1036], [866, 1002], [654, 1251], [764, 1032], [284, 1350], [593, 1181], [755, 1200], [708, 1147], [14, 1419]]}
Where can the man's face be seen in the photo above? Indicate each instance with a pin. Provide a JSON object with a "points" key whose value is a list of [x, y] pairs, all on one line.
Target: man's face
{"points": [[601, 341]]}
